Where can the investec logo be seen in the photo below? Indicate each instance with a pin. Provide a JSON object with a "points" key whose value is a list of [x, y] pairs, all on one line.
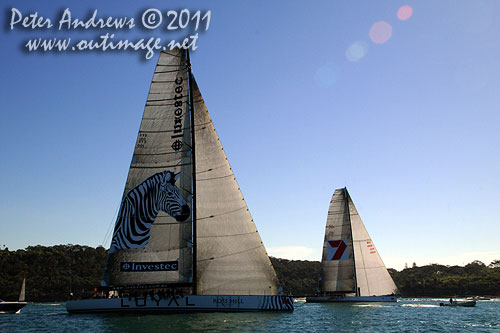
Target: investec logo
{"points": [[178, 112], [149, 266]]}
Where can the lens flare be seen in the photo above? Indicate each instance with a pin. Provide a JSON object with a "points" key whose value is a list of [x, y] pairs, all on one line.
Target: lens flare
{"points": [[356, 51], [326, 75], [380, 32], [405, 12]]}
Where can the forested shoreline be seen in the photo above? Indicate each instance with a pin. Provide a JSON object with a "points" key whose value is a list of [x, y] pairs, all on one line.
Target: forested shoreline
{"points": [[53, 272]]}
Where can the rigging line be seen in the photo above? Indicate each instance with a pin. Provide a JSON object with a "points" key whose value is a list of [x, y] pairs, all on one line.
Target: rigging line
{"points": [[158, 65], [159, 104], [173, 71], [166, 153], [202, 124], [159, 166], [225, 213], [162, 131], [165, 99], [233, 235], [165, 72], [221, 177], [212, 169], [171, 223], [160, 93], [110, 227], [232, 254], [161, 81]]}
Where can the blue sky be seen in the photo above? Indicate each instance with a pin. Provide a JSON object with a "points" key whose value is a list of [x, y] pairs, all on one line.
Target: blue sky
{"points": [[411, 127]]}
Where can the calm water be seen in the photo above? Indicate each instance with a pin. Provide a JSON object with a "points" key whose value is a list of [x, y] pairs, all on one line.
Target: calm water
{"points": [[408, 315]]}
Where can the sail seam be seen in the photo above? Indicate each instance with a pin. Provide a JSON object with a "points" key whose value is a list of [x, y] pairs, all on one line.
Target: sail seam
{"points": [[158, 167], [233, 235], [225, 213], [221, 177], [232, 254]]}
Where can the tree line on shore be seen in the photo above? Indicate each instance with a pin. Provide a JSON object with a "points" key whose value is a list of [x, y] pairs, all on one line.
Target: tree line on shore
{"points": [[53, 272]]}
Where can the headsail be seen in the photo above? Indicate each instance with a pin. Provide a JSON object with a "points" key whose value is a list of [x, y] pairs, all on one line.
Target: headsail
{"points": [[152, 239], [371, 274], [232, 259], [350, 262]]}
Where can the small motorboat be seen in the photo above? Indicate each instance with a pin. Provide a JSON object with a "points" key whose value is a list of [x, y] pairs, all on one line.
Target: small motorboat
{"points": [[461, 303]]}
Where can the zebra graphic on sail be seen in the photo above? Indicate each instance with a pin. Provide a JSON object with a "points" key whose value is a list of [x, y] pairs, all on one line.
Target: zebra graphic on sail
{"points": [[140, 207]]}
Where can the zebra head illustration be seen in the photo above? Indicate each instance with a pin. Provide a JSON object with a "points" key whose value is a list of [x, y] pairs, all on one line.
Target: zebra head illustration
{"points": [[140, 207], [170, 199]]}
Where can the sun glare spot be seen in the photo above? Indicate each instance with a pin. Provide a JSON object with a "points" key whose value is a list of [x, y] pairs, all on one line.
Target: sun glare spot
{"points": [[380, 32], [356, 51], [326, 75], [405, 12]]}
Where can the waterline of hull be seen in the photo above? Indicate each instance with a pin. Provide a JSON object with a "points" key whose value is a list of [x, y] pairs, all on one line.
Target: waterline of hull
{"points": [[175, 304], [350, 299]]}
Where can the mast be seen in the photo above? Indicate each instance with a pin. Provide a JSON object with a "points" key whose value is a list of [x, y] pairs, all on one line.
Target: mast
{"points": [[193, 160], [352, 239]]}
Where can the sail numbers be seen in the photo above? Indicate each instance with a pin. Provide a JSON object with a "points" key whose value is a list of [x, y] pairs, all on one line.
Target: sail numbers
{"points": [[142, 140]]}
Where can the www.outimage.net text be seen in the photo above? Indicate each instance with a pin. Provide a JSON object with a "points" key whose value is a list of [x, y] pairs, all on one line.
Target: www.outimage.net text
{"points": [[150, 19]]}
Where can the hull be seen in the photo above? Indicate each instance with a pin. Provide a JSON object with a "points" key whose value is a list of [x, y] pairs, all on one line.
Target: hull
{"points": [[11, 307], [190, 303], [467, 304], [350, 299]]}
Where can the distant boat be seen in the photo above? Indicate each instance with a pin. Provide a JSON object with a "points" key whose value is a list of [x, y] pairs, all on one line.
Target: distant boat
{"points": [[184, 240], [479, 298], [467, 304], [14, 307], [351, 268]]}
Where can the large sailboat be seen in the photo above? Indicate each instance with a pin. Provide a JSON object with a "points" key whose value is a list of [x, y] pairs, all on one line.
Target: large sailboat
{"points": [[184, 239], [351, 268]]}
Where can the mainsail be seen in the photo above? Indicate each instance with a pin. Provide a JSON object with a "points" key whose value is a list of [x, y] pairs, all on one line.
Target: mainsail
{"points": [[350, 262], [230, 258], [159, 250]]}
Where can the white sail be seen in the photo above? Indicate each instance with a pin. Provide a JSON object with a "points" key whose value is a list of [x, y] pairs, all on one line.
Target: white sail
{"points": [[372, 276], [337, 263], [350, 263], [22, 294], [152, 240], [232, 259]]}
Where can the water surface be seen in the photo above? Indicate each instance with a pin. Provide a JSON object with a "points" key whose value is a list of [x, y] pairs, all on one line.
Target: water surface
{"points": [[407, 315]]}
